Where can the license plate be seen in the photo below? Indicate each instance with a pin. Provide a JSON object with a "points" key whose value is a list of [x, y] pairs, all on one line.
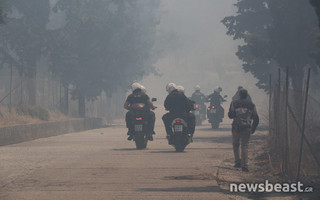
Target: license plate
{"points": [[213, 111], [138, 127], [178, 128], [197, 112]]}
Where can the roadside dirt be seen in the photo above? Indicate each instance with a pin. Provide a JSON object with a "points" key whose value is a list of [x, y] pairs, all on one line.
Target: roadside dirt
{"points": [[260, 170]]}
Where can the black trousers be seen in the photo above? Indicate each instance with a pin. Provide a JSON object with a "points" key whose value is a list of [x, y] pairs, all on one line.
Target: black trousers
{"points": [[189, 117]]}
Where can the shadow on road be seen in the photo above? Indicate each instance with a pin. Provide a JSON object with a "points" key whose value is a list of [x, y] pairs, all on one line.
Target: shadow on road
{"points": [[168, 151], [217, 189], [213, 189], [126, 149], [183, 189], [228, 138], [216, 139], [207, 128]]}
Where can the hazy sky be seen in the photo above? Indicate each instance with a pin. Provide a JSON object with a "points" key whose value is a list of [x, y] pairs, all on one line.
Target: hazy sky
{"points": [[206, 56]]}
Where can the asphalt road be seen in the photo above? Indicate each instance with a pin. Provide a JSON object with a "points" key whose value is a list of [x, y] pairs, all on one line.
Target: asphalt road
{"points": [[102, 164]]}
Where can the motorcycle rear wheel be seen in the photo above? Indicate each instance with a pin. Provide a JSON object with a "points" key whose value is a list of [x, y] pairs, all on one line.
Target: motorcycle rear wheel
{"points": [[141, 141], [215, 125], [179, 148]]}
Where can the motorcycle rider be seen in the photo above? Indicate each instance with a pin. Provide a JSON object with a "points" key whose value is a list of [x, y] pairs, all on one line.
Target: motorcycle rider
{"points": [[143, 89], [236, 95], [245, 121], [181, 89], [200, 99], [178, 105], [138, 96], [216, 100]]}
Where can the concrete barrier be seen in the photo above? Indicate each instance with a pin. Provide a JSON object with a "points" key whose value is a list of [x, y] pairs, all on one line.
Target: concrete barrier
{"points": [[26, 132]]}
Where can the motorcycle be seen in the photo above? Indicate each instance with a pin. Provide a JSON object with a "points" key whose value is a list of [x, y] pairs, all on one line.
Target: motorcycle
{"points": [[141, 125], [181, 138], [199, 115], [215, 114]]}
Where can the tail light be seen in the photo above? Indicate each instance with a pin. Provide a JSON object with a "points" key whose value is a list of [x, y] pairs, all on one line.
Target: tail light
{"points": [[178, 121], [139, 118], [137, 106], [197, 106], [212, 107]]}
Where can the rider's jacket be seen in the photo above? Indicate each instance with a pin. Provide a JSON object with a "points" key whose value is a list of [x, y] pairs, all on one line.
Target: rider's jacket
{"points": [[138, 96], [198, 97], [177, 102], [215, 99]]}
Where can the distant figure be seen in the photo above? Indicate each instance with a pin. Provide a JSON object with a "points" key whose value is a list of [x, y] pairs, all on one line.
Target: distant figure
{"points": [[245, 121], [236, 96], [200, 99], [216, 100]]}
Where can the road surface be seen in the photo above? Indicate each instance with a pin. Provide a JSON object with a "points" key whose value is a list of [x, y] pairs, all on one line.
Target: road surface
{"points": [[102, 164]]}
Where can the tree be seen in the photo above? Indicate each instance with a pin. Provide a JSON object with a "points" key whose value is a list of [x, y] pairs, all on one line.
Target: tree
{"points": [[3, 3], [104, 45], [316, 5], [23, 39], [276, 34]]}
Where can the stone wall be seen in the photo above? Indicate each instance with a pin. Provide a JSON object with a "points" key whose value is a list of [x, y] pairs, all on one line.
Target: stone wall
{"points": [[26, 132]]}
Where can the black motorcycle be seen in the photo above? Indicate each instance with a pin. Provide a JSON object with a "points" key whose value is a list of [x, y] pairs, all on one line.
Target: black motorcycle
{"points": [[141, 125], [181, 138], [198, 113], [215, 114]]}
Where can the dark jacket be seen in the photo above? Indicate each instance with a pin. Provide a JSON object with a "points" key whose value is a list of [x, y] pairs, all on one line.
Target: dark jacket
{"points": [[138, 96], [198, 97], [215, 99], [177, 102], [241, 105]]}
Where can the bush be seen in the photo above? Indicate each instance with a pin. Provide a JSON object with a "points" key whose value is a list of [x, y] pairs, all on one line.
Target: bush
{"points": [[33, 111]]}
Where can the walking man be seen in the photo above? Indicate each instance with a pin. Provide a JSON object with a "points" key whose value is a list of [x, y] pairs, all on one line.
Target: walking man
{"points": [[245, 121]]}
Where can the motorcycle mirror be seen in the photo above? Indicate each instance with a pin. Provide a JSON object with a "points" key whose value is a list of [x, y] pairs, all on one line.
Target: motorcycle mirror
{"points": [[154, 99]]}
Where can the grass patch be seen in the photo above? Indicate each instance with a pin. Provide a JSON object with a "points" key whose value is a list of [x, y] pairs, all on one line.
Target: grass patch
{"points": [[33, 111]]}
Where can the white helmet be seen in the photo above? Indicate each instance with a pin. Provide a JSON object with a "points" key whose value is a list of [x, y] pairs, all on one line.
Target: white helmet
{"points": [[170, 87], [180, 88], [135, 86], [218, 89], [144, 90], [197, 88]]}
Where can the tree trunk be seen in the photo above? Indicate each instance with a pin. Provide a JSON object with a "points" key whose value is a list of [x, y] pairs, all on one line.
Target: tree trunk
{"points": [[65, 103], [82, 106], [32, 86]]}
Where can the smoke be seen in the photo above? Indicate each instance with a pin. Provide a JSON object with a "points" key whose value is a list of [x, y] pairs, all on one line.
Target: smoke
{"points": [[203, 54]]}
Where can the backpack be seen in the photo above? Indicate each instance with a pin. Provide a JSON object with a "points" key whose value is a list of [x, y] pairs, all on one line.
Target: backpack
{"points": [[242, 119]]}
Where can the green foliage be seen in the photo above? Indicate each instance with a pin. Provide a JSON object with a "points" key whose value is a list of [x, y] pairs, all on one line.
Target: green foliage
{"points": [[23, 39], [33, 111], [104, 45], [276, 34], [316, 4]]}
